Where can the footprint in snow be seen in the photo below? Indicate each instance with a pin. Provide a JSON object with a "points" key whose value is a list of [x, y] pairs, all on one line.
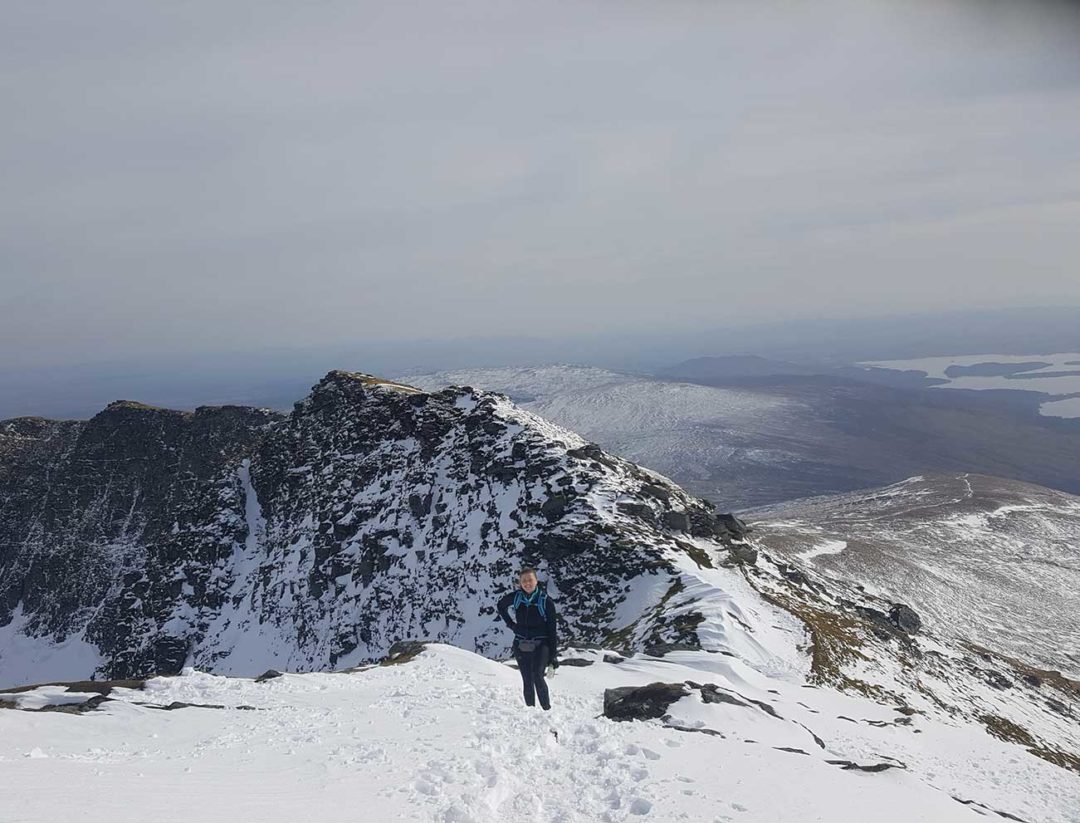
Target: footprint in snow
{"points": [[640, 806], [424, 787], [456, 814]]}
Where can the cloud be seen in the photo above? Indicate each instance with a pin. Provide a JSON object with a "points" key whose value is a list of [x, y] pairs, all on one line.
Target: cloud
{"points": [[200, 176]]}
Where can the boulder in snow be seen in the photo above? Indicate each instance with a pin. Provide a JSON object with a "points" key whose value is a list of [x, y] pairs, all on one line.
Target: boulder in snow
{"points": [[744, 554], [642, 702], [734, 525], [905, 618]]}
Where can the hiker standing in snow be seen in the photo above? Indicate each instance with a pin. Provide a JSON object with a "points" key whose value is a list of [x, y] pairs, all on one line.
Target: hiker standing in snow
{"points": [[530, 612]]}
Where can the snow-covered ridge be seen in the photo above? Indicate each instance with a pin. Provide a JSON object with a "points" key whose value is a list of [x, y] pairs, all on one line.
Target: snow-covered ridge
{"points": [[681, 429], [989, 561], [237, 539]]}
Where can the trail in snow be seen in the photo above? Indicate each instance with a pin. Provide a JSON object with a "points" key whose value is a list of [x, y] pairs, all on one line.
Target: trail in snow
{"points": [[445, 738]]}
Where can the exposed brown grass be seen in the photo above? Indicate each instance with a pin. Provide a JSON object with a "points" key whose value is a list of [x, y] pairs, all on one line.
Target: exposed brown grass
{"points": [[1051, 678], [1010, 732]]}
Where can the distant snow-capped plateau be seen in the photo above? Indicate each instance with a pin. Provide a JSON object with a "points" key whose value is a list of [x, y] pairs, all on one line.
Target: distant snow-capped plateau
{"points": [[785, 437]]}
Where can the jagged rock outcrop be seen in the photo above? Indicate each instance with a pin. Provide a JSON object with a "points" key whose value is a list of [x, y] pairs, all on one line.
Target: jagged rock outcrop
{"points": [[237, 539], [905, 618]]}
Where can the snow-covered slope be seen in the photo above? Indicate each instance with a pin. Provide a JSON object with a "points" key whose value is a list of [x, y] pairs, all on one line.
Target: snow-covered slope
{"points": [[443, 737], [989, 561], [706, 437]]}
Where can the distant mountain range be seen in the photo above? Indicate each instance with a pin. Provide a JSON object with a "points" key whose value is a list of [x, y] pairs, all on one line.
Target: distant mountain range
{"points": [[274, 376], [735, 366]]}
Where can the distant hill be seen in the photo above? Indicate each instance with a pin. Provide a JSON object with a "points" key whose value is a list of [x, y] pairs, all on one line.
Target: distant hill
{"points": [[991, 561]]}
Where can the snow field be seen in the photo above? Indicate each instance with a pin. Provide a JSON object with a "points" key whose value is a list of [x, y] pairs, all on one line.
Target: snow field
{"points": [[446, 737]]}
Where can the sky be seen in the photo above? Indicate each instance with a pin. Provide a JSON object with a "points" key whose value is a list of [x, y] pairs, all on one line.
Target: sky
{"points": [[199, 177]]}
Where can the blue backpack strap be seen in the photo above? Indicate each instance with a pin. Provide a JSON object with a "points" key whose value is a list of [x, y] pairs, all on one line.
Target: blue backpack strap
{"points": [[541, 601]]}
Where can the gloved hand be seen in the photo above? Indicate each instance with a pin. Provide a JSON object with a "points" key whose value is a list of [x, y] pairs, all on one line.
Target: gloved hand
{"points": [[554, 662]]}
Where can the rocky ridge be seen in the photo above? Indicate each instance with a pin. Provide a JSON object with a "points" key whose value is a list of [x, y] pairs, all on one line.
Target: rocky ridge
{"points": [[235, 539]]}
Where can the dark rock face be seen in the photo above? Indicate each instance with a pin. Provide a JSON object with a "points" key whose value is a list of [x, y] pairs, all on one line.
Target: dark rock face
{"points": [[85, 502], [660, 649], [881, 624], [743, 553], [642, 702], [905, 618], [403, 651], [237, 539], [677, 521], [733, 525], [794, 575], [75, 708], [901, 620], [711, 693], [639, 510], [848, 765], [554, 507]]}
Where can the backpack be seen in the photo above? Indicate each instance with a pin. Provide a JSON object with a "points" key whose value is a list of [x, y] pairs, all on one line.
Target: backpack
{"points": [[541, 601]]}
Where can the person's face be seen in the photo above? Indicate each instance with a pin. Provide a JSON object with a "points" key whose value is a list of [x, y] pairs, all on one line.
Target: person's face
{"points": [[527, 582]]}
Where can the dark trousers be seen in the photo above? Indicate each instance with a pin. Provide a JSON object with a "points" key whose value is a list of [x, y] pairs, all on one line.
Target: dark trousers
{"points": [[532, 666]]}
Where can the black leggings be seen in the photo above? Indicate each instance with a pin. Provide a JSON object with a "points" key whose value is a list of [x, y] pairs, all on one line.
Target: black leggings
{"points": [[532, 666]]}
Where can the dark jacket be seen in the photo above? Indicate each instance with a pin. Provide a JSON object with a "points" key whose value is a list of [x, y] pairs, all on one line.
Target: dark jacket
{"points": [[531, 619]]}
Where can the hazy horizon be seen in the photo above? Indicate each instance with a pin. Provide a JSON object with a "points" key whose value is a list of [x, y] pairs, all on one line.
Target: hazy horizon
{"points": [[278, 376], [199, 178]]}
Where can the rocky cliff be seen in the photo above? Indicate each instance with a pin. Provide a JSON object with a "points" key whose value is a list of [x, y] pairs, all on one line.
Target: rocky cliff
{"points": [[234, 539]]}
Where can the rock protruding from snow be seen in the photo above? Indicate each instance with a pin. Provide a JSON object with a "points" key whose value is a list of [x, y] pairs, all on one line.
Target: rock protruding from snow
{"points": [[642, 702], [905, 618], [744, 553]]}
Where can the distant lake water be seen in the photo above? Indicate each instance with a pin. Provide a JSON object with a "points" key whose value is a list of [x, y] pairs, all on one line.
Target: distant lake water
{"points": [[1055, 375]]}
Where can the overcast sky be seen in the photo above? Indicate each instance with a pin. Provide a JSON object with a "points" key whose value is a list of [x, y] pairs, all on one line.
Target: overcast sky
{"points": [[195, 175]]}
